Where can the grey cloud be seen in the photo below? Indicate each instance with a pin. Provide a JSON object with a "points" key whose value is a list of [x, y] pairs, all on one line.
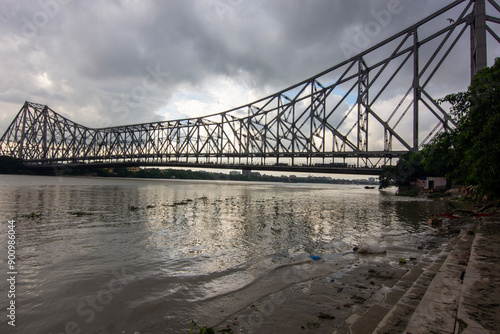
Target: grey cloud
{"points": [[96, 53]]}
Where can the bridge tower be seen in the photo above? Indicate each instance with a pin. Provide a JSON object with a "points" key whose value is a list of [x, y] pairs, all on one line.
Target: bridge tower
{"points": [[478, 38]]}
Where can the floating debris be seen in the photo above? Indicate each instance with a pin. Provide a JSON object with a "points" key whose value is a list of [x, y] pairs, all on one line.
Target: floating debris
{"points": [[313, 325], [325, 316], [185, 202], [33, 215], [369, 249], [81, 213]]}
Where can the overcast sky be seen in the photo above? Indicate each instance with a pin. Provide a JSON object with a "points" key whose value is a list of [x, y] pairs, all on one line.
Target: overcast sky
{"points": [[104, 63]]}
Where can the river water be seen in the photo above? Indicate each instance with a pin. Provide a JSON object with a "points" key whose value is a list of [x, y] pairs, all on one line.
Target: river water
{"points": [[101, 255]]}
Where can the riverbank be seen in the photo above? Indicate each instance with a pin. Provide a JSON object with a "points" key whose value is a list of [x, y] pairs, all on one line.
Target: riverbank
{"points": [[386, 293]]}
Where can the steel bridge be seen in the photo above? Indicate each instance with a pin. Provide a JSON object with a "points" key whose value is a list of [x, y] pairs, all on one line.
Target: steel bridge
{"points": [[338, 121]]}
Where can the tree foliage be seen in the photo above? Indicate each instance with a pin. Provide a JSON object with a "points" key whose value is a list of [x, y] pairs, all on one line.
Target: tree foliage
{"points": [[474, 147], [408, 169], [9, 165]]}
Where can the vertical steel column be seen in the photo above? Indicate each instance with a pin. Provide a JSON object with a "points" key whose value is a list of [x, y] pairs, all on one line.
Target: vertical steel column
{"points": [[44, 134], [220, 139], [20, 153], [293, 132], [199, 144], [416, 90], [278, 124], [323, 118], [178, 138], [247, 149], [478, 38], [242, 147], [311, 123], [363, 83], [264, 140]]}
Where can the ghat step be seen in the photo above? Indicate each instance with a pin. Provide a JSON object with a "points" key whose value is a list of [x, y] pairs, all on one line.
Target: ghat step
{"points": [[437, 311], [395, 306], [479, 307]]}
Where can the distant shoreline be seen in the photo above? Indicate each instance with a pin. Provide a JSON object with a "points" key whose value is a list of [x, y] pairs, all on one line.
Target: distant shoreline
{"points": [[14, 167]]}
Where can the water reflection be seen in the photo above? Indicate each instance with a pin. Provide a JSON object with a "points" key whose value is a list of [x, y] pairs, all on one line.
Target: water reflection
{"points": [[188, 244]]}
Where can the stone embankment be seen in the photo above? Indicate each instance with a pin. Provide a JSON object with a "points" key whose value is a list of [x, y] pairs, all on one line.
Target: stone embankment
{"points": [[455, 290]]}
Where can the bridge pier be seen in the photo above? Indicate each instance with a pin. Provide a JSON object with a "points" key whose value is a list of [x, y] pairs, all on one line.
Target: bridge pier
{"points": [[246, 172]]}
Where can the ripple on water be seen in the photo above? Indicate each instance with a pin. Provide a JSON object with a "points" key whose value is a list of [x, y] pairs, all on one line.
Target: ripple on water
{"points": [[131, 254]]}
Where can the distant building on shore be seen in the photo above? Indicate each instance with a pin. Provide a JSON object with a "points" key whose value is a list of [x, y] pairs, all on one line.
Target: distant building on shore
{"points": [[430, 183]]}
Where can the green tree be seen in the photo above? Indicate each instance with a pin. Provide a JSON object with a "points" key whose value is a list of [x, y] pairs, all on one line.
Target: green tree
{"points": [[9, 165], [121, 172], [441, 157], [473, 147], [408, 169]]}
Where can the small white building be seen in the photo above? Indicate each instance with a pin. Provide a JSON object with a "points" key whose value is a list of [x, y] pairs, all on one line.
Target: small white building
{"points": [[430, 183]]}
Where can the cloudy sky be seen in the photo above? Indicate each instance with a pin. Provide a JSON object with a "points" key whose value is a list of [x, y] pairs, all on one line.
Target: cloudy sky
{"points": [[111, 62]]}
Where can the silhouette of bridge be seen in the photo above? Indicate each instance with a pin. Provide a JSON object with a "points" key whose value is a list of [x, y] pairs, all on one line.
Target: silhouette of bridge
{"points": [[338, 121]]}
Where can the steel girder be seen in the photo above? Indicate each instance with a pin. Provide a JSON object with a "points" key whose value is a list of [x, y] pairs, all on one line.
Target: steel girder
{"points": [[311, 123]]}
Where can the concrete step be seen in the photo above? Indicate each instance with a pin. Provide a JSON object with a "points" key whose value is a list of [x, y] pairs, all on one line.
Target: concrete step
{"points": [[479, 306], [437, 310], [393, 305]]}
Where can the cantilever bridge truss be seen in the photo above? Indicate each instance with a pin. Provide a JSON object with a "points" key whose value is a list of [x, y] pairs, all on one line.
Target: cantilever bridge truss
{"points": [[356, 116]]}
